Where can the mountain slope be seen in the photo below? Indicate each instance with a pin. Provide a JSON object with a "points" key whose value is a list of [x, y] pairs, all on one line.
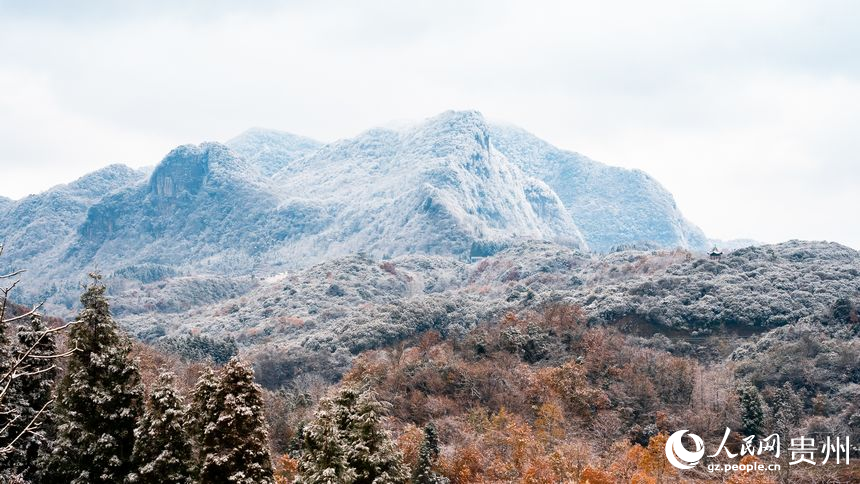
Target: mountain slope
{"points": [[39, 229], [271, 150], [5, 204], [203, 208], [319, 317], [435, 188], [612, 206], [451, 185]]}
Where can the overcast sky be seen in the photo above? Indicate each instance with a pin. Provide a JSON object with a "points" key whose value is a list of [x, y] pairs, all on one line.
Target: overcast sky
{"points": [[747, 111]]}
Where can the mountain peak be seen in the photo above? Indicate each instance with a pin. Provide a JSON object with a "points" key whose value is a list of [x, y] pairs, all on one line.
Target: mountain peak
{"points": [[186, 168], [272, 150], [258, 139], [456, 122], [611, 205], [460, 116]]}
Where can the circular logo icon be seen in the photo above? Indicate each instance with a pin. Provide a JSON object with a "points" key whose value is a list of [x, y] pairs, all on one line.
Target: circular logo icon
{"points": [[679, 456]]}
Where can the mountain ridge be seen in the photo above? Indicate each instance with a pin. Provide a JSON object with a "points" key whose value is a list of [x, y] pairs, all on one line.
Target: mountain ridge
{"points": [[266, 200], [613, 206]]}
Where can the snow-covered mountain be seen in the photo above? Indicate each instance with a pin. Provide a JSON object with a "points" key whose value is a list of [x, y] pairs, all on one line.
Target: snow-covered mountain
{"points": [[612, 206], [435, 188], [268, 201], [733, 244], [5, 204], [38, 229], [438, 188], [272, 150]]}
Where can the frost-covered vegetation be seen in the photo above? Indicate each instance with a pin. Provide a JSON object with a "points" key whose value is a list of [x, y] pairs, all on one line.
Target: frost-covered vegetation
{"points": [[316, 320], [611, 205], [428, 369], [418, 305], [268, 201]]}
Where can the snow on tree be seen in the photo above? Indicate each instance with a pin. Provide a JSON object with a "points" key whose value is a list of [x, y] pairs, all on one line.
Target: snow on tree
{"points": [[27, 371], [752, 414], [324, 457], [426, 456], [34, 393], [99, 399], [234, 442], [347, 442], [162, 448], [787, 409], [202, 414]]}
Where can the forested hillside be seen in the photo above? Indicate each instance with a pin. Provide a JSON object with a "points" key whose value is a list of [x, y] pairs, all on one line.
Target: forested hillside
{"points": [[450, 301], [318, 319], [538, 390]]}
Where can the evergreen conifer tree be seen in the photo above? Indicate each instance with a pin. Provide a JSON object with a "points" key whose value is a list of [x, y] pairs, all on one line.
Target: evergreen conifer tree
{"points": [[324, 457], [162, 448], [34, 394], [428, 453], [202, 398], [787, 409], [99, 399], [347, 443], [234, 445], [752, 414]]}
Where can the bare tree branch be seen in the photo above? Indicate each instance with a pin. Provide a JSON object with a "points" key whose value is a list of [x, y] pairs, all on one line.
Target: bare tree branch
{"points": [[27, 428], [13, 274], [10, 375], [21, 368], [31, 312]]}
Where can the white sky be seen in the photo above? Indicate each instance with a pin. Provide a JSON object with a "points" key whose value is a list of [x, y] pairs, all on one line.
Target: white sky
{"points": [[748, 112]]}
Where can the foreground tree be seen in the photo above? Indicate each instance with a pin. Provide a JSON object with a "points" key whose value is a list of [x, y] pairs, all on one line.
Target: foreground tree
{"points": [[99, 399], [162, 449], [27, 373], [426, 457], [346, 443], [34, 394], [202, 412], [234, 442]]}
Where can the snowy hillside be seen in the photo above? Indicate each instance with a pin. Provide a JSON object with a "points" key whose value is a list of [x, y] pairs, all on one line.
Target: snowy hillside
{"points": [[733, 244], [612, 206], [5, 204], [267, 201], [316, 319], [271, 150], [203, 209], [435, 188], [39, 229]]}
